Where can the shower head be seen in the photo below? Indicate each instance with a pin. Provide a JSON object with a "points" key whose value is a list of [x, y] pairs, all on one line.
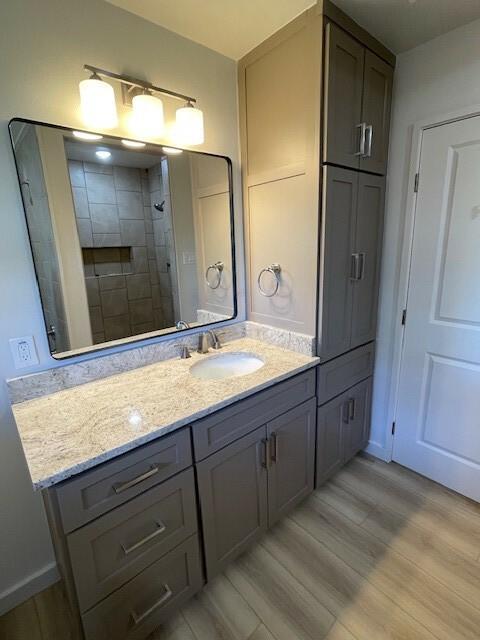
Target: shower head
{"points": [[159, 205]]}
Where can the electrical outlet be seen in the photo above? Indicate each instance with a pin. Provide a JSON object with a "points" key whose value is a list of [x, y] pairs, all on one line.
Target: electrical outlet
{"points": [[23, 351]]}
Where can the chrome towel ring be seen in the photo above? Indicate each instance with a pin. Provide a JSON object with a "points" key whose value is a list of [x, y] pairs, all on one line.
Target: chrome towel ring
{"points": [[275, 269], [218, 268]]}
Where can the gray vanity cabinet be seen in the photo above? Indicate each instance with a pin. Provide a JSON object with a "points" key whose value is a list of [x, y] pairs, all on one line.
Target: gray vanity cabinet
{"points": [[342, 429], [352, 228], [344, 61], [232, 486], [291, 459], [376, 104], [248, 485], [368, 247], [357, 96]]}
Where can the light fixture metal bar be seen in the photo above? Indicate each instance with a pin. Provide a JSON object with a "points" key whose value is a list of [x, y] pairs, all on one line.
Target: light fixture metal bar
{"points": [[135, 82]]}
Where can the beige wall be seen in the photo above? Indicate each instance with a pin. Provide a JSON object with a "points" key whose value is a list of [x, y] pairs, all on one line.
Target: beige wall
{"points": [[43, 46]]}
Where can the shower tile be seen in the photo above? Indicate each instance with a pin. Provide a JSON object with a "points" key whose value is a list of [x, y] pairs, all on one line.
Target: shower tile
{"points": [[93, 296], [138, 286], [117, 327], [107, 283], [80, 202], [139, 260], [107, 240], [141, 311], [114, 302], [100, 188], [130, 205], [96, 319], [127, 178], [97, 167], [77, 177], [85, 236], [104, 218], [133, 232]]}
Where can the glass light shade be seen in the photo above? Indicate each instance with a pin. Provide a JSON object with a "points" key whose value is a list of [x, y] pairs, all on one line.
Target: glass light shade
{"points": [[84, 135], [97, 100], [147, 117], [133, 144], [189, 126]]}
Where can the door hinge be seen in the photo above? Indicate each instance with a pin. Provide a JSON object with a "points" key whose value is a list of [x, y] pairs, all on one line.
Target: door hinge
{"points": [[417, 180], [393, 428], [404, 317]]}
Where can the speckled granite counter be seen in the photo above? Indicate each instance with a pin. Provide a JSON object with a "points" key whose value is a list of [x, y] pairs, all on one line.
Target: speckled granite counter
{"points": [[73, 430]]}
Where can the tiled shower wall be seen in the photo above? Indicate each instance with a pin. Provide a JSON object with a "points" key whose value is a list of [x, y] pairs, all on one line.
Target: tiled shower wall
{"points": [[127, 293]]}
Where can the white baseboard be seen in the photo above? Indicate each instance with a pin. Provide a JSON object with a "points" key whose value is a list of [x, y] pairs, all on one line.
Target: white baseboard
{"points": [[378, 451], [30, 586]]}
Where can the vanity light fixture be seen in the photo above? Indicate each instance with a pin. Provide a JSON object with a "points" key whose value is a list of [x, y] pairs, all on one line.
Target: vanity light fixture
{"points": [[84, 135], [171, 151], [189, 125], [99, 109], [133, 144], [97, 102], [147, 118], [103, 154]]}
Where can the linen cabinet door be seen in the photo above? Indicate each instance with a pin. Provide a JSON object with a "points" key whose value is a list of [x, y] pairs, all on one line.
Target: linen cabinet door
{"points": [[368, 250], [377, 98], [343, 131], [357, 424], [331, 419], [232, 486], [338, 237], [291, 459]]}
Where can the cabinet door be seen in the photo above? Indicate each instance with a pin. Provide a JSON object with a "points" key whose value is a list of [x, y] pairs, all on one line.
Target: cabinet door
{"points": [[232, 486], [291, 459], [343, 98], [330, 432], [377, 98], [356, 423], [368, 248], [338, 237]]}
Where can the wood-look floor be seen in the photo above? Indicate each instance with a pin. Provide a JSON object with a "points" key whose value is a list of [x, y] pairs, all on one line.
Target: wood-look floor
{"points": [[378, 552]]}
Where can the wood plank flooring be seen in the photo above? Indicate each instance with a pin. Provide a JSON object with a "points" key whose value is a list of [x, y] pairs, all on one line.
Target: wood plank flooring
{"points": [[378, 553]]}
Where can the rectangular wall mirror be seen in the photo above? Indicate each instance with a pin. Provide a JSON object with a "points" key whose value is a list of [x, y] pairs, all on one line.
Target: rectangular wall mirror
{"points": [[127, 242]]}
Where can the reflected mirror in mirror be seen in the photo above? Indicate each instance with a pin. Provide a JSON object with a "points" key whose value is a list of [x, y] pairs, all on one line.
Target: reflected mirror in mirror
{"points": [[126, 241]]}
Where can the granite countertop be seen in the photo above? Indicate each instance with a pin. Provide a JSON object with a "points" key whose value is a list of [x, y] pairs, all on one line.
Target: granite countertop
{"points": [[67, 432]]}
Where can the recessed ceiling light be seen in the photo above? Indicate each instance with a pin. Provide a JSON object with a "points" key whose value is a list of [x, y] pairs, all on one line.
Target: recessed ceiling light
{"points": [[83, 135], [171, 151], [133, 144], [102, 154]]}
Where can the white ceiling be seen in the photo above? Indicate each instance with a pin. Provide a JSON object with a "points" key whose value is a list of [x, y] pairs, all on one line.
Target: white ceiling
{"points": [[234, 27]]}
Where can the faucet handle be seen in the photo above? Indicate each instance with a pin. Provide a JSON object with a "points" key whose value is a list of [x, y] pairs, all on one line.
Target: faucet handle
{"points": [[184, 351], [216, 344]]}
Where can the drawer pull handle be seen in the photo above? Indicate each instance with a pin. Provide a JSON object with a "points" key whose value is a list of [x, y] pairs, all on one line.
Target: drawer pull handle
{"points": [[263, 453], [273, 447], [160, 529], [351, 409], [123, 486], [139, 618]]}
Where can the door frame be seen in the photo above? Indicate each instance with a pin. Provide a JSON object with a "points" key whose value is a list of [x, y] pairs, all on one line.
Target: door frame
{"points": [[406, 251]]}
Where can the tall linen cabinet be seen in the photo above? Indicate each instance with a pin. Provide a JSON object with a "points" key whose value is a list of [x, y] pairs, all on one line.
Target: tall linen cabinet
{"points": [[315, 104]]}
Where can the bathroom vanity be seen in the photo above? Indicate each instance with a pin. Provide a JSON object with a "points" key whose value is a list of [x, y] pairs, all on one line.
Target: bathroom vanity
{"points": [[156, 479]]}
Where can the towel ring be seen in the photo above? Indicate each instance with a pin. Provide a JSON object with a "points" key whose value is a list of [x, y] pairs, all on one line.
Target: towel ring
{"points": [[275, 269], [218, 268]]}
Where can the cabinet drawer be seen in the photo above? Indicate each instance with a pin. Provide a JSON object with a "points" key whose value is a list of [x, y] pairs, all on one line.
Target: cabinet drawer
{"points": [[110, 551], [223, 427], [137, 608], [95, 492], [340, 374]]}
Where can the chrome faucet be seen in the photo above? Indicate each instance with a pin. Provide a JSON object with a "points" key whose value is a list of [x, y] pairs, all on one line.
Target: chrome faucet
{"points": [[181, 324], [203, 341]]}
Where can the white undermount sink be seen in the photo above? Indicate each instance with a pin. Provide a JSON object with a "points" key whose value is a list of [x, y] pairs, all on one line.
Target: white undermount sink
{"points": [[226, 365]]}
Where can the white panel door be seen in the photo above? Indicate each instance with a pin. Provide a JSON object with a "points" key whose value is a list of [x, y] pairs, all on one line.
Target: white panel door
{"points": [[438, 415]]}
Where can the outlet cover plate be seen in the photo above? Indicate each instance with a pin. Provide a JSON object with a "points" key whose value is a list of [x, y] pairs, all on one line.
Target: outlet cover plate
{"points": [[24, 352]]}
